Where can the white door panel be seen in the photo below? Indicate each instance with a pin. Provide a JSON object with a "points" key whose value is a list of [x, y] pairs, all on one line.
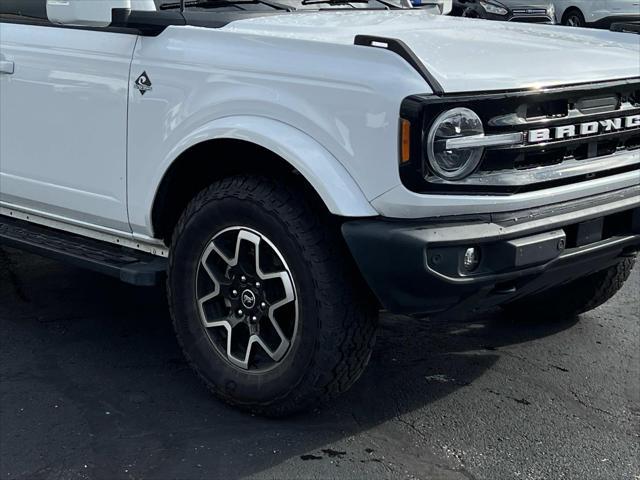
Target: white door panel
{"points": [[625, 7], [594, 10], [63, 122]]}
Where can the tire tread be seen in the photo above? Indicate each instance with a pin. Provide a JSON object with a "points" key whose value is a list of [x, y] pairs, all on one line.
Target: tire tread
{"points": [[338, 290], [577, 297]]}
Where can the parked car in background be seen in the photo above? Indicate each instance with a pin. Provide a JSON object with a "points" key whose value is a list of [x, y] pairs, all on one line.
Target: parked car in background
{"points": [[506, 10], [596, 13]]}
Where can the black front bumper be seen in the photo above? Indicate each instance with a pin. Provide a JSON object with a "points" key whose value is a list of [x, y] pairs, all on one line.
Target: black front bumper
{"points": [[417, 267]]}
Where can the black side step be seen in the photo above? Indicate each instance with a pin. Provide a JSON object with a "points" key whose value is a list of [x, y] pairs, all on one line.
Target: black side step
{"points": [[130, 266]]}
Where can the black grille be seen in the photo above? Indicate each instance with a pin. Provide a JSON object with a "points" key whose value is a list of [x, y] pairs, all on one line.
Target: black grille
{"points": [[522, 112], [529, 11], [534, 156], [531, 19]]}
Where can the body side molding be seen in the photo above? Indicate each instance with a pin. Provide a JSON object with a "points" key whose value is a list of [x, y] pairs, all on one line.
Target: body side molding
{"points": [[124, 239]]}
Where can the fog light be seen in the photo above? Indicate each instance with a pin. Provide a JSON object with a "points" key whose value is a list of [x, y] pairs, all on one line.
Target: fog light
{"points": [[471, 259]]}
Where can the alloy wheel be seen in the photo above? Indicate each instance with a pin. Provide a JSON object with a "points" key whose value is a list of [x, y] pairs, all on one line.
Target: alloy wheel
{"points": [[247, 299], [574, 21]]}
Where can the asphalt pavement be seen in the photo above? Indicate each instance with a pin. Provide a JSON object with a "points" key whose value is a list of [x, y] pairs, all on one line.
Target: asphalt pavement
{"points": [[93, 386]]}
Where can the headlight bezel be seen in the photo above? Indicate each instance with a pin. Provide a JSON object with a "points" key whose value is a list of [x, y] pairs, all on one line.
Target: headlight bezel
{"points": [[431, 157]]}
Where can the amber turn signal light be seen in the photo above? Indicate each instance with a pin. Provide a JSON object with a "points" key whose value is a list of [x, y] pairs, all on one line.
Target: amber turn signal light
{"points": [[405, 140]]}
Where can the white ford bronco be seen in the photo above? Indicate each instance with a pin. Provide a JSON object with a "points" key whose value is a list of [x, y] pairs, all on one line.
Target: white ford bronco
{"points": [[290, 168]]}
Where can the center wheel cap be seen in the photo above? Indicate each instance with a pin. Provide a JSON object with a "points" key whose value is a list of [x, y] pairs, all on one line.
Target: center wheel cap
{"points": [[248, 299]]}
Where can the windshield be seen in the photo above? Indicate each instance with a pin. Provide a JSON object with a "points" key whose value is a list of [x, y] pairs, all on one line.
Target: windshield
{"points": [[222, 5], [311, 5]]}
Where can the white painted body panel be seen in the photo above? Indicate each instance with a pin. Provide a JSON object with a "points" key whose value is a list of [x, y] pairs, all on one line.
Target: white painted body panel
{"points": [[468, 55], [284, 94], [402, 203], [339, 191], [332, 92], [595, 10], [294, 84], [63, 122]]}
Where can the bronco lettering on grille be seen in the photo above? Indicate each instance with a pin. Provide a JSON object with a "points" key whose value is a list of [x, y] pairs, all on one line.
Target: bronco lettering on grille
{"points": [[583, 129]]}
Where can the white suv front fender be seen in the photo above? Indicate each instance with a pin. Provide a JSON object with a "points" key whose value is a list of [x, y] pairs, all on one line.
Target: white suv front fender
{"points": [[323, 171]]}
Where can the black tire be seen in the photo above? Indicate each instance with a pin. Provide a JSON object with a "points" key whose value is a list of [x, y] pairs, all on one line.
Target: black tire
{"points": [[471, 13], [574, 298], [336, 317], [573, 18]]}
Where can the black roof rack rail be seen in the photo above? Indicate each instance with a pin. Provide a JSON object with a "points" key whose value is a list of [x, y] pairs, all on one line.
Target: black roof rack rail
{"points": [[400, 48]]}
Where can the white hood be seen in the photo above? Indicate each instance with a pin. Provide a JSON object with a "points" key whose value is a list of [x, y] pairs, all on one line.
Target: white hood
{"points": [[467, 55]]}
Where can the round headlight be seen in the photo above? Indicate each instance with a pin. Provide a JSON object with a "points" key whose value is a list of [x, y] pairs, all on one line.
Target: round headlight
{"points": [[495, 9], [454, 163]]}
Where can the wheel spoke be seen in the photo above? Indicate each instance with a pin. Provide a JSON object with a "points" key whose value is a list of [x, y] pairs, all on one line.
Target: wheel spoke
{"points": [[208, 297], [224, 321], [289, 297], [203, 262], [240, 362], [279, 353], [243, 362], [243, 235]]}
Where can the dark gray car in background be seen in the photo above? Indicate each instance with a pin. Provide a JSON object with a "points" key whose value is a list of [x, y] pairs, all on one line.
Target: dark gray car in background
{"points": [[532, 11]]}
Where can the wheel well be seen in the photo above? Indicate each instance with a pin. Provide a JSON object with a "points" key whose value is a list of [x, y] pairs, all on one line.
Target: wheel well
{"points": [[203, 164]]}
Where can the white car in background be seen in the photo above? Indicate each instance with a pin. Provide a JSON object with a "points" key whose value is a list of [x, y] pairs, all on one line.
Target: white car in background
{"points": [[596, 13]]}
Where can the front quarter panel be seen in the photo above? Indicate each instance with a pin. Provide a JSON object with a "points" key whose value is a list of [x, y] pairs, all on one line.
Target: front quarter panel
{"points": [[341, 100], [327, 176]]}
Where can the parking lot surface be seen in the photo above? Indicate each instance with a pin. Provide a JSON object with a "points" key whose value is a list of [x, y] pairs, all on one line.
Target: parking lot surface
{"points": [[93, 385]]}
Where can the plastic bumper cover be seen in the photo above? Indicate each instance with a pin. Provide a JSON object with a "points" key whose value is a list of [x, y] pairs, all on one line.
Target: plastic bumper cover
{"points": [[417, 267]]}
